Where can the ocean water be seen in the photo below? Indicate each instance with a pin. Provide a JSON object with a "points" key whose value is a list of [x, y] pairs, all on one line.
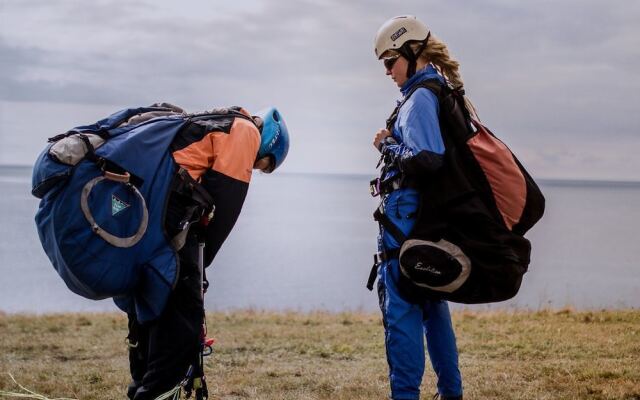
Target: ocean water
{"points": [[305, 242]]}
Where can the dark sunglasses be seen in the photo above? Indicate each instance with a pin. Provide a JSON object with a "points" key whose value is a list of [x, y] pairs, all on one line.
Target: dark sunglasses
{"points": [[389, 62]]}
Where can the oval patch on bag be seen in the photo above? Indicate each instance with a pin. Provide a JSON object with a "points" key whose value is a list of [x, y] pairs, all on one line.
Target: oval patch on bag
{"points": [[440, 266], [117, 212]]}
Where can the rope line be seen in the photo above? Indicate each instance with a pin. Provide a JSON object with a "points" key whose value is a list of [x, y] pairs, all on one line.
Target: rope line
{"points": [[173, 394], [30, 393]]}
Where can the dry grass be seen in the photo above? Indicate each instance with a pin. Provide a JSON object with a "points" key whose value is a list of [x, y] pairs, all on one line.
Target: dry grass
{"points": [[524, 355]]}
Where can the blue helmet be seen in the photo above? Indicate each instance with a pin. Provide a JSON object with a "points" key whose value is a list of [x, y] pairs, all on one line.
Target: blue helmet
{"points": [[274, 136]]}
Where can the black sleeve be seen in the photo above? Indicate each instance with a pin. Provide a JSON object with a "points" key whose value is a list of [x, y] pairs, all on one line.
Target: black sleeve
{"points": [[228, 196], [424, 163]]}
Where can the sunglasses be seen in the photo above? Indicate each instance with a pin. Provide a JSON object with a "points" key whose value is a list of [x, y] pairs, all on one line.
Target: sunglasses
{"points": [[389, 62]]}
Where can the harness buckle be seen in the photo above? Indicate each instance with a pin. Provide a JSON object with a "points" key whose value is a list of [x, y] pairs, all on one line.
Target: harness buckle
{"points": [[374, 187], [373, 274], [208, 217]]}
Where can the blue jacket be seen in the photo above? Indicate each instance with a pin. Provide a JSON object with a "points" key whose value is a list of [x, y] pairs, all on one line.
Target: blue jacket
{"points": [[414, 149], [416, 145]]}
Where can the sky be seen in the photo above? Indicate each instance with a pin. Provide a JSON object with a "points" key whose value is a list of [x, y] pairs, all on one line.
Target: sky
{"points": [[558, 81]]}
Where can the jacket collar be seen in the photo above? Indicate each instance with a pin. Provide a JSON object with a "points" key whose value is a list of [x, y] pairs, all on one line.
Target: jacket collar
{"points": [[428, 72]]}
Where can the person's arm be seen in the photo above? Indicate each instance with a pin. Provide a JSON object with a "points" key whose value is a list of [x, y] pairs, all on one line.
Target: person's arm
{"points": [[421, 150]]}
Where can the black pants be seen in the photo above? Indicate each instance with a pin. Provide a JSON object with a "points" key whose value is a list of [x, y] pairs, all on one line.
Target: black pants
{"points": [[162, 350]]}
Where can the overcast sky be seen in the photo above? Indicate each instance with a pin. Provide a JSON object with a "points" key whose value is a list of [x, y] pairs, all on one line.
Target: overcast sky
{"points": [[558, 81]]}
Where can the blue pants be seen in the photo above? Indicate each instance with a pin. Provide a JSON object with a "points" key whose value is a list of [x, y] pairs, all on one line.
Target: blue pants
{"points": [[407, 324]]}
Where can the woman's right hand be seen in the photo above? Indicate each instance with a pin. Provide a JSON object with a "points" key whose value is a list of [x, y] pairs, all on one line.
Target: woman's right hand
{"points": [[380, 135]]}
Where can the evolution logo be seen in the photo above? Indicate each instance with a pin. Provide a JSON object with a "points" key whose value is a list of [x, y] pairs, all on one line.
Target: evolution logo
{"points": [[427, 268]]}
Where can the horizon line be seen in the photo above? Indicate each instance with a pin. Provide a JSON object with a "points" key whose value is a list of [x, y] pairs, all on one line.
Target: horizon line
{"points": [[544, 180]]}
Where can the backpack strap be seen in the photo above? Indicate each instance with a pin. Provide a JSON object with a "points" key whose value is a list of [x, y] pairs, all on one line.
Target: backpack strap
{"points": [[91, 151]]}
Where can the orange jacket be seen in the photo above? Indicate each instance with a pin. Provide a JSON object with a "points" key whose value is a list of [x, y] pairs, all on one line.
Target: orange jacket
{"points": [[220, 153], [228, 145]]}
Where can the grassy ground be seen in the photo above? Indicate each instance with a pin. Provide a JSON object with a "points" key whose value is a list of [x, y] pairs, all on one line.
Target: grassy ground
{"points": [[524, 355]]}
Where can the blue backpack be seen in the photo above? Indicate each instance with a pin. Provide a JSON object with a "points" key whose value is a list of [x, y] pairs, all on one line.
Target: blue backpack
{"points": [[103, 190]]}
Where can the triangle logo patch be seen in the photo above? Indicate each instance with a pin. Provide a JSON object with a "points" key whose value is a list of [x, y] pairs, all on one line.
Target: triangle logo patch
{"points": [[117, 205]]}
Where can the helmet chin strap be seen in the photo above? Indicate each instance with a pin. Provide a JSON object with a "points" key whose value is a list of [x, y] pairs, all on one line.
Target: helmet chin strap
{"points": [[412, 58]]}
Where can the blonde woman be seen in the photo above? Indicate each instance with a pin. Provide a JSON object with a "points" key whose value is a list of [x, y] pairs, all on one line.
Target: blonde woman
{"points": [[412, 147]]}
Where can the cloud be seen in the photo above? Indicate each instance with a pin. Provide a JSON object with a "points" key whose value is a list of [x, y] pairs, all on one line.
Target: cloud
{"points": [[538, 70]]}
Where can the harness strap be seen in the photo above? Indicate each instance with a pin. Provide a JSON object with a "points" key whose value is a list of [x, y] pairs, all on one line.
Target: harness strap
{"points": [[386, 255], [388, 225], [373, 273], [91, 151], [61, 136], [195, 190]]}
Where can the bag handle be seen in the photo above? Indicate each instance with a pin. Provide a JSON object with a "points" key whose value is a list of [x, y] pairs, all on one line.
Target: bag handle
{"points": [[122, 178]]}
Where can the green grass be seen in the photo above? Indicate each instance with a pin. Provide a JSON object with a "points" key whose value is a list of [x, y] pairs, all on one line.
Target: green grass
{"points": [[262, 355]]}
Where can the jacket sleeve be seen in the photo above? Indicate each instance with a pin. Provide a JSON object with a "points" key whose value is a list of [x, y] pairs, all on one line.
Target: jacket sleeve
{"points": [[420, 148], [228, 195], [228, 180]]}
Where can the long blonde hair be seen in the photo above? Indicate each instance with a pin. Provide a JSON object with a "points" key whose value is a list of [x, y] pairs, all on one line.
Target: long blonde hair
{"points": [[437, 54]]}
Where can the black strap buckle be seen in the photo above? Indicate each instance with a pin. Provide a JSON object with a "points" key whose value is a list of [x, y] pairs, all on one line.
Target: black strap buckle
{"points": [[373, 273], [374, 187]]}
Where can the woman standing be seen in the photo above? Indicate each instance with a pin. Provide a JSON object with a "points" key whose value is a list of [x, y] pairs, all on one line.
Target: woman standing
{"points": [[412, 148]]}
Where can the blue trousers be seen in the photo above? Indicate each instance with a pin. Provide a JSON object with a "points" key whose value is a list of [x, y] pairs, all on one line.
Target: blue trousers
{"points": [[408, 324]]}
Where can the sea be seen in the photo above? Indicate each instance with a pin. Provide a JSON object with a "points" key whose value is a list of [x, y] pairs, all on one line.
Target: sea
{"points": [[305, 242]]}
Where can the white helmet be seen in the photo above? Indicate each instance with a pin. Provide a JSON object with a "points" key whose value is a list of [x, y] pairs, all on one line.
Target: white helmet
{"points": [[397, 31]]}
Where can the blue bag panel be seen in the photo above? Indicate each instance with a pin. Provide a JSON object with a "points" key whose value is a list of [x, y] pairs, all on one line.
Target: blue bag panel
{"points": [[159, 255], [160, 272], [142, 149], [90, 266], [47, 174], [154, 289], [48, 239], [103, 269]]}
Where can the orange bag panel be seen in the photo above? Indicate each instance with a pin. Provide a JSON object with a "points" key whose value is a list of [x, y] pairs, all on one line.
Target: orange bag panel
{"points": [[505, 178]]}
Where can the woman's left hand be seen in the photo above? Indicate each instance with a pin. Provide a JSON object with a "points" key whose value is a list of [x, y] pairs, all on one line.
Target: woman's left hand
{"points": [[380, 135]]}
